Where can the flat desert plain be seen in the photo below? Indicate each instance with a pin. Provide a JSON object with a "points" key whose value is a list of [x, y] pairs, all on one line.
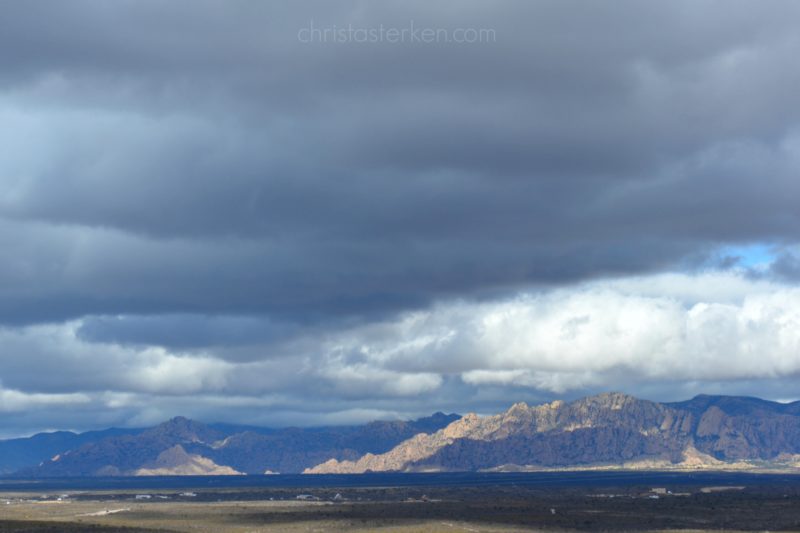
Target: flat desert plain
{"points": [[417, 509]]}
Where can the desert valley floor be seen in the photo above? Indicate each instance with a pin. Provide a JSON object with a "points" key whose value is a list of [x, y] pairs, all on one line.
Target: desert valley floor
{"points": [[737, 503]]}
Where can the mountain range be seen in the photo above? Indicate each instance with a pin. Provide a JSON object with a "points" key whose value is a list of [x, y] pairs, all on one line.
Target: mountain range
{"points": [[609, 430], [182, 446], [29, 451]]}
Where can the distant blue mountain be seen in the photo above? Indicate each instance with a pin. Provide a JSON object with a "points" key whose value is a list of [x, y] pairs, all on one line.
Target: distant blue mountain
{"points": [[180, 443], [16, 454]]}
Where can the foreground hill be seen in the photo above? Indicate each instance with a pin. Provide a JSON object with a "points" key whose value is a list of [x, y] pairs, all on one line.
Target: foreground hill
{"points": [[185, 447], [610, 429]]}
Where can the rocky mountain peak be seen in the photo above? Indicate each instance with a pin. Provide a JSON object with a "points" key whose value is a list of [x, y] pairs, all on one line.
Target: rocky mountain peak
{"points": [[518, 409], [172, 456], [461, 427], [182, 429], [613, 400]]}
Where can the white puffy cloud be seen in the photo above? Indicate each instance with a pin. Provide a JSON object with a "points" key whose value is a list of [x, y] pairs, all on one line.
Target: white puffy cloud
{"points": [[667, 334], [704, 327]]}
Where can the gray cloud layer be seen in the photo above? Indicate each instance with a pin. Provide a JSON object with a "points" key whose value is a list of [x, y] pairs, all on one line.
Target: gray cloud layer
{"points": [[193, 181]]}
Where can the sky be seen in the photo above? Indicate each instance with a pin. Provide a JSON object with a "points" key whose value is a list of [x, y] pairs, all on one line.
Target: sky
{"points": [[316, 212]]}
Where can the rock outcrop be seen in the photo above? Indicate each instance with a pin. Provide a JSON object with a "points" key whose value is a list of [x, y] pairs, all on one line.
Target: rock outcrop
{"points": [[176, 462]]}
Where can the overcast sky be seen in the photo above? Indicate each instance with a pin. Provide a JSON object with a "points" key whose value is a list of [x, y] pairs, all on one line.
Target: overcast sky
{"points": [[295, 213]]}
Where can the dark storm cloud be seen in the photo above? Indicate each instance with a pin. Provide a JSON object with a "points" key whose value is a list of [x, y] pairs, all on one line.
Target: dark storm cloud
{"points": [[188, 187], [184, 331], [787, 266]]}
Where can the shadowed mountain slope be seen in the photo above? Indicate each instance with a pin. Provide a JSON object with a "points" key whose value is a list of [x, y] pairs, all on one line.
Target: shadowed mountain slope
{"points": [[16, 454], [195, 446]]}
